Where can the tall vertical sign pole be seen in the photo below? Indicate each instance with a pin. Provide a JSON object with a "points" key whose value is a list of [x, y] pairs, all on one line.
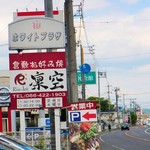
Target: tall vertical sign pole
{"points": [[116, 93], [22, 125], [124, 109], [48, 5], [9, 120], [83, 79], [99, 98], [71, 53], [57, 129]]}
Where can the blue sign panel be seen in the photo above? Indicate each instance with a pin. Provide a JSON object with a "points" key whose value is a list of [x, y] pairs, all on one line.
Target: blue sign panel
{"points": [[75, 116], [34, 129], [47, 128], [85, 68], [47, 121], [120, 107]]}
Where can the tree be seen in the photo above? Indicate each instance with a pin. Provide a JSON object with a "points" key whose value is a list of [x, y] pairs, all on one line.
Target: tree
{"points": [[105, 103], [133, 118]]}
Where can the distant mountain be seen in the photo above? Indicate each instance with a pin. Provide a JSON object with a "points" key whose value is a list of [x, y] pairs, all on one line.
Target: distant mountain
{"points": [[146, 111]]}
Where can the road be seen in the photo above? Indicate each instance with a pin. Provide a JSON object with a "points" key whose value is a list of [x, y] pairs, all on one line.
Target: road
{"points": [[137, 138]]}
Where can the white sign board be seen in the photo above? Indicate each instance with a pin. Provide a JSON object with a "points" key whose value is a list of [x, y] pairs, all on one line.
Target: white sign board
{"points": [[36, 33], [38, 80], [31, 85], [29, 103], [83, 116]]}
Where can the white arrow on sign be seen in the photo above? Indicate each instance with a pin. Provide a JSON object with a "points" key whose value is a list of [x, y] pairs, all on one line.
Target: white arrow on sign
{"points": [[29, 136], [35, 136]]}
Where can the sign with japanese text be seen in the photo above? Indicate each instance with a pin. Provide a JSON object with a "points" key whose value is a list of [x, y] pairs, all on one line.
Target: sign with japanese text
{"points": [[82, 105], [82, 111], [89, 78], [36, 33], [38, 80], [82, 117]]}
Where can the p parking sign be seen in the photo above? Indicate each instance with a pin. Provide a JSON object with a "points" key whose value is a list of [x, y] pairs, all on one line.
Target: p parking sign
{"points": [[75, 116]]}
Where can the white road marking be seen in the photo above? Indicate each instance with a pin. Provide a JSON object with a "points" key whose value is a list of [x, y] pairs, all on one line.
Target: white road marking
{"points": [[111, 145], [146, 131], [118, 147]]}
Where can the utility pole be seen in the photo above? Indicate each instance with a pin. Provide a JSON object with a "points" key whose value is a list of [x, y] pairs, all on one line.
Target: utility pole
{"points": [[108, 86], [82, 74], [48, 6], [116, 93], [99, 98], [71, 53], [100, 75]]}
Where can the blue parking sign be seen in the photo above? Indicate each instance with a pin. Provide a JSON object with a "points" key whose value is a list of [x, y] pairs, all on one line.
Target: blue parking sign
{"points": [[75, 116]]}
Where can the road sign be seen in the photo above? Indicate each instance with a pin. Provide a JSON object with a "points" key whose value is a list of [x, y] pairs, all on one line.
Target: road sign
{"points": [[85, 68], [47, 122], [33, 135], [34, 129], [89, 78], [83, 116], [120, 107]]}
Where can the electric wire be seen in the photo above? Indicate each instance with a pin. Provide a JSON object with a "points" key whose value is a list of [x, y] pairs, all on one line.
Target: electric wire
{"points": [[22, 10], [95, 59]]}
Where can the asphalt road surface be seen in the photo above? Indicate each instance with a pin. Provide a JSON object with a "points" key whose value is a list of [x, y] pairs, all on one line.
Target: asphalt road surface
{"points": [[137, 138]]}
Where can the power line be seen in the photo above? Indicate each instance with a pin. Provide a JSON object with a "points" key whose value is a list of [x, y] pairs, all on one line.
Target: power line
{"points": [[110, 22], [117, 57], [7, 25], [142, 93]]}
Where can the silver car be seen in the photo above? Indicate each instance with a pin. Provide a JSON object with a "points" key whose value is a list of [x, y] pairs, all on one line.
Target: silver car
{"points": [[14, 143]]}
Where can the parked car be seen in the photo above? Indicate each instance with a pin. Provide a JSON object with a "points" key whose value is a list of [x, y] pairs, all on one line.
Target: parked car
{"points": [[125, 126], [5, 146], [14, 143]]}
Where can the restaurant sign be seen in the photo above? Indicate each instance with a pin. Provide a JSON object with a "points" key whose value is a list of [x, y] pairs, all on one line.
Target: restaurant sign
{"points": [[38, 80]]}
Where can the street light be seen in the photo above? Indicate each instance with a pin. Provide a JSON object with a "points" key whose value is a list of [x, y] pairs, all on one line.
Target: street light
{"points": [[100, 75]]}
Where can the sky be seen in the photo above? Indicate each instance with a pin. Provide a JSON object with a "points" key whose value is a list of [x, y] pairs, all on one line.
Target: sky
{"points": [[118, 31]]}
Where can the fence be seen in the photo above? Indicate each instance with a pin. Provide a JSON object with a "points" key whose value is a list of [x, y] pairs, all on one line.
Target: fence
{"points": [[42, 139]]}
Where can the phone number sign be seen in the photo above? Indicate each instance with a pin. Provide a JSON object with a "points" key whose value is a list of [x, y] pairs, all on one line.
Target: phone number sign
{"points": [[38, 80]]}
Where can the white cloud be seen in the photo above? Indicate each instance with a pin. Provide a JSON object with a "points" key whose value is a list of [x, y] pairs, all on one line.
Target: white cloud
{"points": [[144, 69], [128, 34]]}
